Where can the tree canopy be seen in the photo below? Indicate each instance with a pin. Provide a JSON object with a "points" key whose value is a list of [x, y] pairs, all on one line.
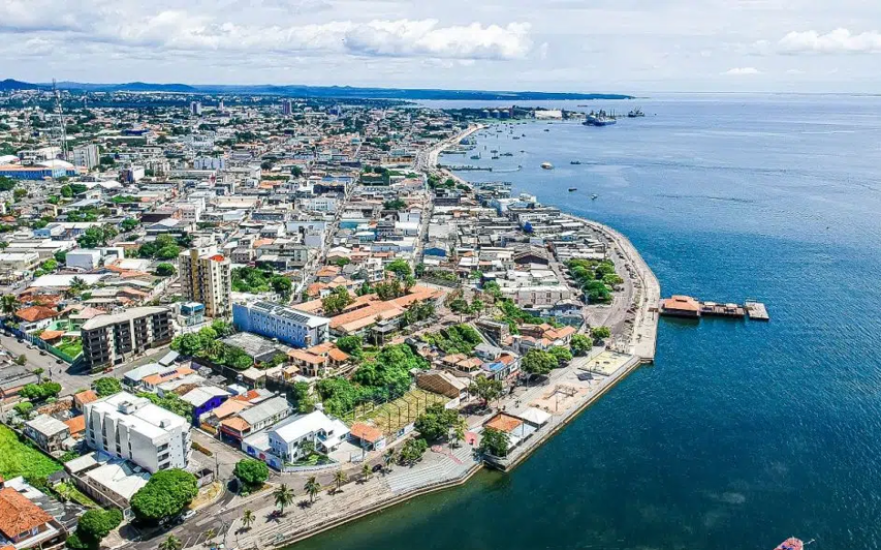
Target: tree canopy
{"points": [[252, 473], [580, 344], [165, 495], [539, 362], [435, 423], [107, 386], [335, 302], [399, 267], [94, 525], [494, 442]]}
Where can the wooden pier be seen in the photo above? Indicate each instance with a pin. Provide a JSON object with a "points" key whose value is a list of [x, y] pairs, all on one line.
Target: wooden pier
{"points": [[686, 306]]}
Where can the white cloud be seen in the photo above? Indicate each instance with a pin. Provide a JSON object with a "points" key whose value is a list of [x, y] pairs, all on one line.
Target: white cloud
{"points": [[835, 42], [742, 71]]}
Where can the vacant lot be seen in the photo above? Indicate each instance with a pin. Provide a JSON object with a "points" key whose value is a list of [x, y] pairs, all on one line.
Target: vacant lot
{"points": [[17, 459], [394, 415]]}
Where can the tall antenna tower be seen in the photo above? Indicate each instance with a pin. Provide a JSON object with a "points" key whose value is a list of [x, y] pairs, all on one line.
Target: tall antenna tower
{"points": [[60, 112]]}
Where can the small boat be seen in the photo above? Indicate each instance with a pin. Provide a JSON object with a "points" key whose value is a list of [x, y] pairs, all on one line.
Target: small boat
{"points": [[575, 162], [791, 543], [636, 113], [547, 130], [594, 197], [475, 157], [599, 121], [547, 166], [494, 157], [571, 189]]}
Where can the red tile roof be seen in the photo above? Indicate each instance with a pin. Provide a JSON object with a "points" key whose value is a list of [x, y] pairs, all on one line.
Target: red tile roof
{"points": [[366, 432], [36, 313], [18, 514]]}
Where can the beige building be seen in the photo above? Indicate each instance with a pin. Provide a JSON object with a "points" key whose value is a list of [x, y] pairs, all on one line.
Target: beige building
{"points": [[207, 279]]}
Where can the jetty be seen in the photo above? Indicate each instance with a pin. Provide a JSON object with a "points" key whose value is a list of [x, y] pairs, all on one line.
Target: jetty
{"points": [[688, 307]]}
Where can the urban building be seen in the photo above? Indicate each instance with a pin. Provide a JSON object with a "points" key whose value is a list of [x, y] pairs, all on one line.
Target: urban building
{"points": [[23, 524], [292, 327], [133, 428], [206, 279], [196, 108], [110, 339], [86, 156]]}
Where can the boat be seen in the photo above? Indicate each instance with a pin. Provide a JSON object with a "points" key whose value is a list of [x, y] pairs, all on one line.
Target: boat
{"points": [[791, 543], [494, 157], [636, 113], [571, 189], [475, 157], [599, 120], [594, 197], [576, 162], [547, 166]]}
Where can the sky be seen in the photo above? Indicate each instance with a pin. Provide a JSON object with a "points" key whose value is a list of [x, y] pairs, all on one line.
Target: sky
{"points": [[550, 45]]}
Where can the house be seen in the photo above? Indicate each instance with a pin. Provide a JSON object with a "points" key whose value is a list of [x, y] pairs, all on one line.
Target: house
{"points": [[35, 317], [110, 481], [205, 399], [256, 418], [47, 432], [369, 438], [23, 524], [681, 306], [81, 399], [516, 429], [13, 378], [323, 433]]}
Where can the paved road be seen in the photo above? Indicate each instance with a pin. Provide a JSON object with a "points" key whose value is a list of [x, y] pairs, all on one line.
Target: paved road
{"points": [[70, 378]]}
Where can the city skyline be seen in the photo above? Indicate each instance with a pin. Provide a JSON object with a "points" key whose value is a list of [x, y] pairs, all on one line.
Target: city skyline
{"points": [[560, 45]]}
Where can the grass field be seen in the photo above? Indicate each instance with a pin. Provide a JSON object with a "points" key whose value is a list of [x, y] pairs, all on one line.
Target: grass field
{"points": [[394, 415], [17, 459]]}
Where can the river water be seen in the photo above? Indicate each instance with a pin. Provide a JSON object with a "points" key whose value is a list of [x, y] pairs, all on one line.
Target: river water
{"points": [[742, 433]]}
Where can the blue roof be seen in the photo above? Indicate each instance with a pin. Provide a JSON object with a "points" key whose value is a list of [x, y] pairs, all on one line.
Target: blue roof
{"points": [[493, 367]]}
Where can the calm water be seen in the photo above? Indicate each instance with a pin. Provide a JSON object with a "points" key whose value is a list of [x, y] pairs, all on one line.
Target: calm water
{"points": [[742, 434]]}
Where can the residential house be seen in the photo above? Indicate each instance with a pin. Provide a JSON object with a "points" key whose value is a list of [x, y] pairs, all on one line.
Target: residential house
{"points": [[47, 432]]}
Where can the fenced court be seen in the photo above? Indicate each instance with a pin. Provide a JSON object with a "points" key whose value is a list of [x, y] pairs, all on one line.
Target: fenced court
{"points": [[392, 416]]}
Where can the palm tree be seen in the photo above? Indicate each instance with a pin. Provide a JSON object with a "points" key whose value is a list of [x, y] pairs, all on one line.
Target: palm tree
{"points": [[8, 303], [312, 487], [366, 472], [283, 496], [171, 543], [340, 477], [458, 433], [248, 518], [210, 534], [388, 458]]}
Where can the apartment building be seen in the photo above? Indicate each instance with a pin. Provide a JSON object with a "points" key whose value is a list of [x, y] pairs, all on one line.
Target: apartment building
{"points": [[292, 327], [111, 339], [207, 279], [135, 429], [86, 155]]}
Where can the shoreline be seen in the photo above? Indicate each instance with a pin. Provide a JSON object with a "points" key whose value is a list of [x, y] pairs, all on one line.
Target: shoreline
{"points": [[641, 347]]}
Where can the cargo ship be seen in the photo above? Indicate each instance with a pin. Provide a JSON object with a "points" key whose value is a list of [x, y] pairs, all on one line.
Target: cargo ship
{"points": [[599, 120], [791, 543]]}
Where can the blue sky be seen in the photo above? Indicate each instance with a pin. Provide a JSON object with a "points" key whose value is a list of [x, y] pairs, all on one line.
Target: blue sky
{"points": [[566, 45]]}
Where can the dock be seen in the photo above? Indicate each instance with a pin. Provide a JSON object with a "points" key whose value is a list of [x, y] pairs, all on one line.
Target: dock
{"points": [[688, 307], [757, 311]]}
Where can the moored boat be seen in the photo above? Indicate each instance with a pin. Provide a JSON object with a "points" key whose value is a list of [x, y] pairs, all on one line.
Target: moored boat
{"points": [[547, 166], [791, 543]]}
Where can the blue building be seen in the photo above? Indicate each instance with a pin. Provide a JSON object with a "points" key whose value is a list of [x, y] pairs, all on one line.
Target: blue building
{"points": [[289, 326], [34, 173]]}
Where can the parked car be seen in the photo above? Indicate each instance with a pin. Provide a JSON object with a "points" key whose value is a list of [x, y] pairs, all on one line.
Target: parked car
{"points": [[188, 514]]}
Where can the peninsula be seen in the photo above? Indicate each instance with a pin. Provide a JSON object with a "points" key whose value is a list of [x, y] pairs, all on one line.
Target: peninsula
{"points": [[299, 317]]}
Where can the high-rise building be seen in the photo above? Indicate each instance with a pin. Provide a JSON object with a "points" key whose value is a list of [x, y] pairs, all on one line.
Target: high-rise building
{"points": [[207, 278], [86, 155], [196, 108], [135, 429], [111, 339], [287, 107]]}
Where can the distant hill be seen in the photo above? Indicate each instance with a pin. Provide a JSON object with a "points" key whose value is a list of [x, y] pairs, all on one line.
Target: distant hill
{"points": [[9, 85], [340, 92]]}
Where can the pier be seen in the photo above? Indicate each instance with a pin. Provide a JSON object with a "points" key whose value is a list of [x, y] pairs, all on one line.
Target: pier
{"points": [[688, 307]]}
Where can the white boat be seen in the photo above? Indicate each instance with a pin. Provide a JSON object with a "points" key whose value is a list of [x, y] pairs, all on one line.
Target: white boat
{"points": [[547, 166]]}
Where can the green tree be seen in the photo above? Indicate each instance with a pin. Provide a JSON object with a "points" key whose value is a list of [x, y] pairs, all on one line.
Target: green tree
{"points": [[600, 333], [580, 344], [335, 302], [494, 442], [353, 345], [171, 543], [296, 171], [561, 354], [129, 224], [458, 433], [283, 496], [107, 386], [24, 409], [312, 488], [252, 473], [21, 360], [96, 236], [340, 477], [413, 450], [94, 525], [486, 389], [165, 495], [366, 472], [282, 286], [302, 397], [435, 423], [248, 518], [41, 391], [61, 256], [9, 303], [399, 267], [395, 204], [539, 363], [459, 305], [165, 270]]}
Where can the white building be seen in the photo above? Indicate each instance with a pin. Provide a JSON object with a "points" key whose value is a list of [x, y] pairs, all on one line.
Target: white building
{"points": [[286, 440], [294, 328], [18, 261], [81, 258], [86, 155], [133, 428]]}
